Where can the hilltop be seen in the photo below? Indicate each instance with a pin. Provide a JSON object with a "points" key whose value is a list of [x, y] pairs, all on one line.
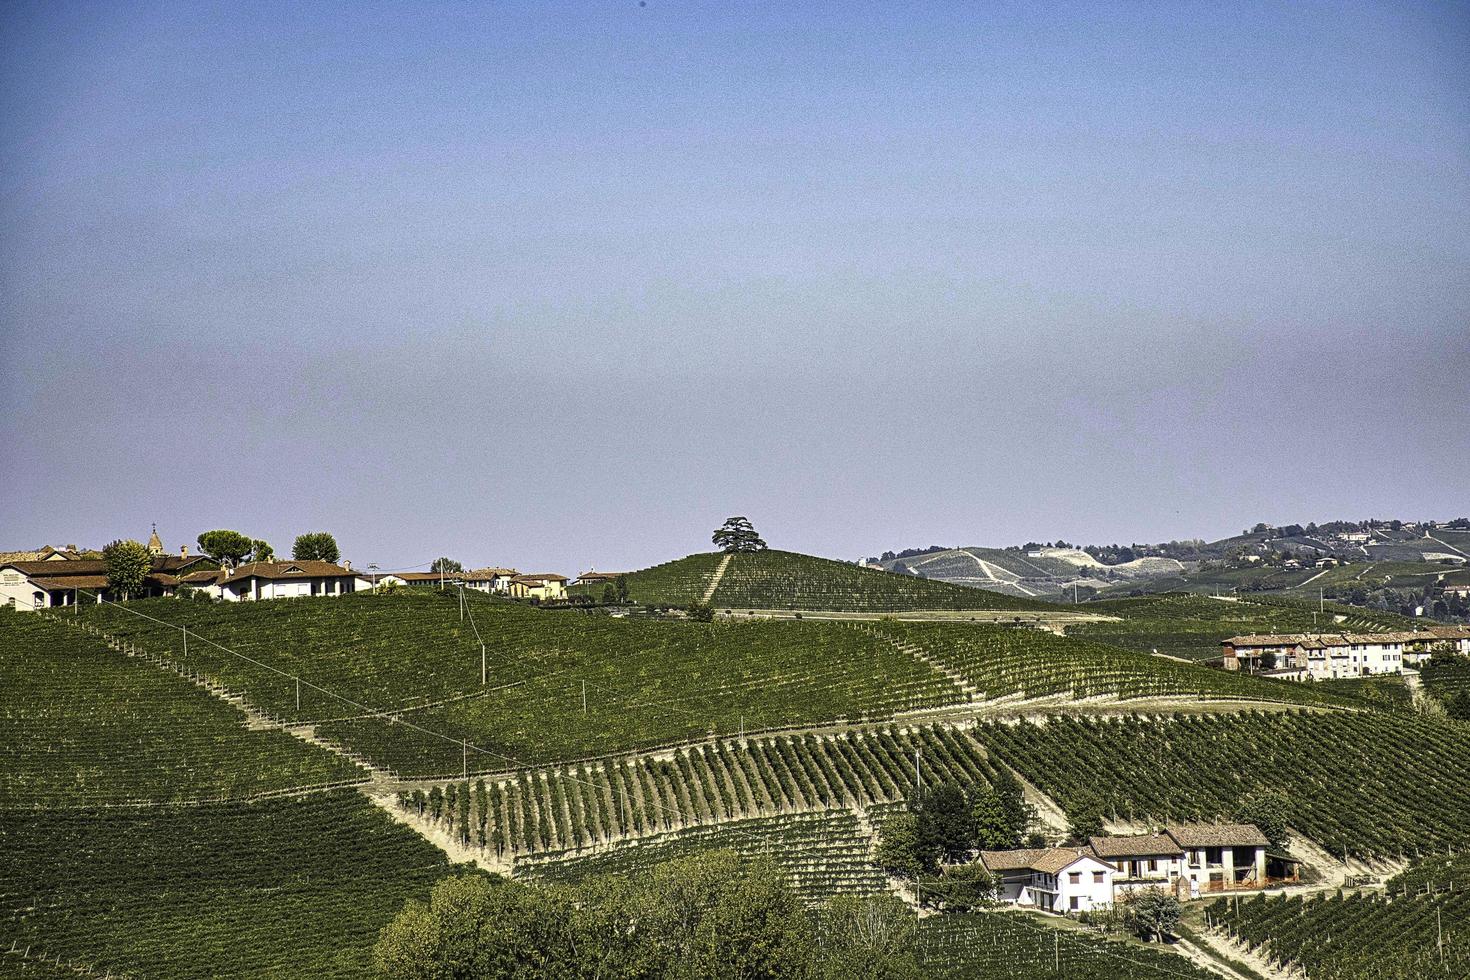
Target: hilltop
{"points": [[774, 580]]}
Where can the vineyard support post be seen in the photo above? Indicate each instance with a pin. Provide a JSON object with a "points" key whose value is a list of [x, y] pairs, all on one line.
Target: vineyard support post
{"points": [[482, 664], [584, 699], [464, 757], [298, 694], [186, 641]]}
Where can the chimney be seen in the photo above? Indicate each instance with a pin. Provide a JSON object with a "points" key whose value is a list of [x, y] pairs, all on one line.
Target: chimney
{"points": [[347, 565], [183, 551]]}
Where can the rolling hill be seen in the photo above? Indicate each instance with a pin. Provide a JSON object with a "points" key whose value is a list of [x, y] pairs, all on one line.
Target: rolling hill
{"points": [[786, 580]]}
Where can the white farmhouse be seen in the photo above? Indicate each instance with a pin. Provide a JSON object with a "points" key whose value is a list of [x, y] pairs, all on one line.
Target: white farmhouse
{"points": [[1055, 879], [1143, 861], [1221, 857], [286, 579]]}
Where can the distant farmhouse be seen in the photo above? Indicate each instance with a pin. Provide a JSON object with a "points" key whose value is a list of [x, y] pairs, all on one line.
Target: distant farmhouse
{"points": [[1186, 860], [1325, 656]]}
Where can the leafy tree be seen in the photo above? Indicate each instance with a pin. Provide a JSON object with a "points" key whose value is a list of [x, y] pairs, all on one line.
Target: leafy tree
{"points": [[870, 937], [1151, 913], [700, 613], [1458, 706], [1085, 819], [445, 565], [737, 534], [315, 546], [128, 564], [609, 594], [965, 887], [1001, 813], [899, 851], [945, 824], [226, 546], [621, 582], [260, 551], [1268, 810]]}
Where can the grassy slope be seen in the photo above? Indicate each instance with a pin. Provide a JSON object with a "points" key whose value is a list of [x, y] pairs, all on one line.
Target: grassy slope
{"points": [[294, 888], [674, 583], [1192, 626], [85, 725]]}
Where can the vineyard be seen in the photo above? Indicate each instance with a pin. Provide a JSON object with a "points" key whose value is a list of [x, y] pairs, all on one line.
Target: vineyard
{"points": [[571, 808], [284, 888], [1002, 662], [784, 580], [1447, 678], [820, 854], [85, 725], [1369, 784], [680, 583], [1025, 947], [1355, 936], [1192, 626]]}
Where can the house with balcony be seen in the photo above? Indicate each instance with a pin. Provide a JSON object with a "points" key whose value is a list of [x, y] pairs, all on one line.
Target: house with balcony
{"points": [[1053, 879], [1143, 861], [1222, 857]]}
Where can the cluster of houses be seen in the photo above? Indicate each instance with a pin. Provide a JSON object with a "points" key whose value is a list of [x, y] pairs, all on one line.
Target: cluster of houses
{"points": [[55, 577], [1325, 656], [1186, 860]]}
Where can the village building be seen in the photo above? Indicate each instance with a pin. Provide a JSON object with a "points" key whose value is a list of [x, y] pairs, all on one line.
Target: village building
{"points": [[543, 587], [61, 578], [598, 578], [1222, 857], [1054, 879], [1143, 861], [1321, 656], [259, 580]]}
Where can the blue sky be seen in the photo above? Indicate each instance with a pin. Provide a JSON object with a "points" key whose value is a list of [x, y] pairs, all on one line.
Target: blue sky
{"points": [[565, 285]]}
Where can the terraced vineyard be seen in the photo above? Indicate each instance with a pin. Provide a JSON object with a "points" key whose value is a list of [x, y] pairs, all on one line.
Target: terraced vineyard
{"points": [[569, 808], [1023, 946], [1002, 661], [821, 854], [1192, 626], [282, 888], [1365, 783], [85, 725], [1356, 937], [648, 682]]}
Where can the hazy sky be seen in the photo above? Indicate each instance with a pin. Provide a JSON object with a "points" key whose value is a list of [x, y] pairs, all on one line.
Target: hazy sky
{"points": [[564, 285]]}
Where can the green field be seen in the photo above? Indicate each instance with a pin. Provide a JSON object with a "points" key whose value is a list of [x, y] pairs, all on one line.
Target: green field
{"points": [[1192, 626], [86, 725], [290, 888], [1368, 783]]}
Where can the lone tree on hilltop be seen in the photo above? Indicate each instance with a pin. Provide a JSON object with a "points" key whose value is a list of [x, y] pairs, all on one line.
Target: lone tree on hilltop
{"points": [[738, 534], [226, 546], [128, 564], [315, 546]]}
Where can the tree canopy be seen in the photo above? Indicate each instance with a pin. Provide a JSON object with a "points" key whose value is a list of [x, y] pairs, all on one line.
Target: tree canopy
{"points": [[128, 564], [737, 534], [227, 546], [315, 546], [446, 565], [703, 917]]}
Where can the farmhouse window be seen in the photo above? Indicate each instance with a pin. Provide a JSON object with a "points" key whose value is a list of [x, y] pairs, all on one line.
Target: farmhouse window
{"points": [[1075, 878]]}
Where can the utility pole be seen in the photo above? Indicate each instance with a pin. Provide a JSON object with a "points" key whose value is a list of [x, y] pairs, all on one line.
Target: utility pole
{"points": [[482, 664], [918, 778], [464, 758], [298, 694], [375, 576], [1056, 952], [584, 699], [461, 601], [186, 641]]}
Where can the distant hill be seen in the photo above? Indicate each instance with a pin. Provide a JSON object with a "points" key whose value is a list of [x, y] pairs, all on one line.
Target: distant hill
{"points": [[785, 580], [1035, 573], [1391, 565]]}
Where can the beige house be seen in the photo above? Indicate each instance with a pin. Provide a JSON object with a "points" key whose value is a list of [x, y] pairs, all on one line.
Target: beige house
{"points": [[544, 587], [50, 582], [259, 580]]}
